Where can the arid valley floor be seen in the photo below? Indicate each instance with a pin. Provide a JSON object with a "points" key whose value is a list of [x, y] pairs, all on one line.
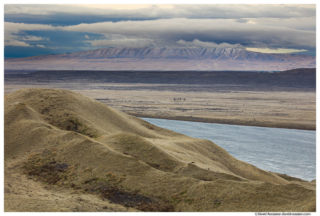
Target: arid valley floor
{"points": [[256, 108], [286, 100]]}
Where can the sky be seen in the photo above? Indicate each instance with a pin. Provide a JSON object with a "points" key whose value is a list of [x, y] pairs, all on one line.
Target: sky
{"points": [[31, 30]]}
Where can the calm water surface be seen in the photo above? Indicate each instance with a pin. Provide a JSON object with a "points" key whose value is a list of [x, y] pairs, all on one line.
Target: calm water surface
{"points": [[288, 151]]}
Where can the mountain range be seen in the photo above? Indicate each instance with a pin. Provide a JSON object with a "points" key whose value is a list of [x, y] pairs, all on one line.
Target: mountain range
{"points": [[205, 59]]}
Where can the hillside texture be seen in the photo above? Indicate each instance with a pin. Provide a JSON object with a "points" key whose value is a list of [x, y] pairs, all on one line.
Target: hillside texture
{"points": [[63, 141]]}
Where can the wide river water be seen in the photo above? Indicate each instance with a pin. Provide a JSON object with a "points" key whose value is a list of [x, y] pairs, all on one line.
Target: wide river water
{"points": [[287, 151]]}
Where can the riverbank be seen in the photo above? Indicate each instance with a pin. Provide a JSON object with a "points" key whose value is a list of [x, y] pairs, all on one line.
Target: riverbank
{"points": [[229, 121]]}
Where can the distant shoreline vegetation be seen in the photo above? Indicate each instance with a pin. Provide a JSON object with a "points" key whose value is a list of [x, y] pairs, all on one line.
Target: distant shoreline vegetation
{"points": [[302, 79], [23, 71]]}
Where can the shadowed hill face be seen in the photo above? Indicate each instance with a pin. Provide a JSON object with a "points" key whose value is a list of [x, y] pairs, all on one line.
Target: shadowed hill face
{"points": [[103, 144]]}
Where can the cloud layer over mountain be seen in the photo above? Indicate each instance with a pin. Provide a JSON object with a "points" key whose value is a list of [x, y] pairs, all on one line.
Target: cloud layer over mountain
{"points": [[69, 28], [208, 59]]}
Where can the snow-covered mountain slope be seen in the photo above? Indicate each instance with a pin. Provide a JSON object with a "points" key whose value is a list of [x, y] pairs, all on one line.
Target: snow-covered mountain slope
{"points": [[164, 59]]}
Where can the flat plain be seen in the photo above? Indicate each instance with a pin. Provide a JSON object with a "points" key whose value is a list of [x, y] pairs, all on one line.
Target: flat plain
{"points": [[218, 103]]}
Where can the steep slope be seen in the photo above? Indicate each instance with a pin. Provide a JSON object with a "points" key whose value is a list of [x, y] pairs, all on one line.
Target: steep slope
{"points": [[164, 59], [64, 138]]}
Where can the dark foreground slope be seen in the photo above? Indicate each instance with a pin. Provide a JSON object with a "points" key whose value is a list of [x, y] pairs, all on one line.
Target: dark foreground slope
{"points": [[297, 79], [77, 145]]}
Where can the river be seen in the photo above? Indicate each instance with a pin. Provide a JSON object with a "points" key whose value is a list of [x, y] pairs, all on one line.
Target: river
{"points": [[287, 151]]}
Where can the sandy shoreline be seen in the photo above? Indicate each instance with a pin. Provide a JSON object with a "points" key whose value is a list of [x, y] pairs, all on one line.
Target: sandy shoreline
{"points": [[229, 122]]}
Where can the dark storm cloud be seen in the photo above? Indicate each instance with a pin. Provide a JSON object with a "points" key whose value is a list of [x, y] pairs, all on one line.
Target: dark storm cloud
{"points": [[70, 28], [48, 42], [18, 52], [62, 19]]}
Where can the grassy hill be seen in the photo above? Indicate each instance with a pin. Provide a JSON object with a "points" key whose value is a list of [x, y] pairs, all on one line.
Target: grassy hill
{"points": [[63, 141]]}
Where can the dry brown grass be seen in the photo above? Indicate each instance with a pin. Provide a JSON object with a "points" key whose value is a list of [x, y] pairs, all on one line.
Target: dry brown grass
{"points": [[129, 155]]}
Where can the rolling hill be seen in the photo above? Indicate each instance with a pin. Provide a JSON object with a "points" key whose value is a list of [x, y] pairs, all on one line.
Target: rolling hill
{"points": [[72, 144]]}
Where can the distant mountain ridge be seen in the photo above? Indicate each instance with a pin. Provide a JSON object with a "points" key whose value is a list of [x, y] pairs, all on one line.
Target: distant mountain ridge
{"points": [[192, 53], [171, 58]]}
